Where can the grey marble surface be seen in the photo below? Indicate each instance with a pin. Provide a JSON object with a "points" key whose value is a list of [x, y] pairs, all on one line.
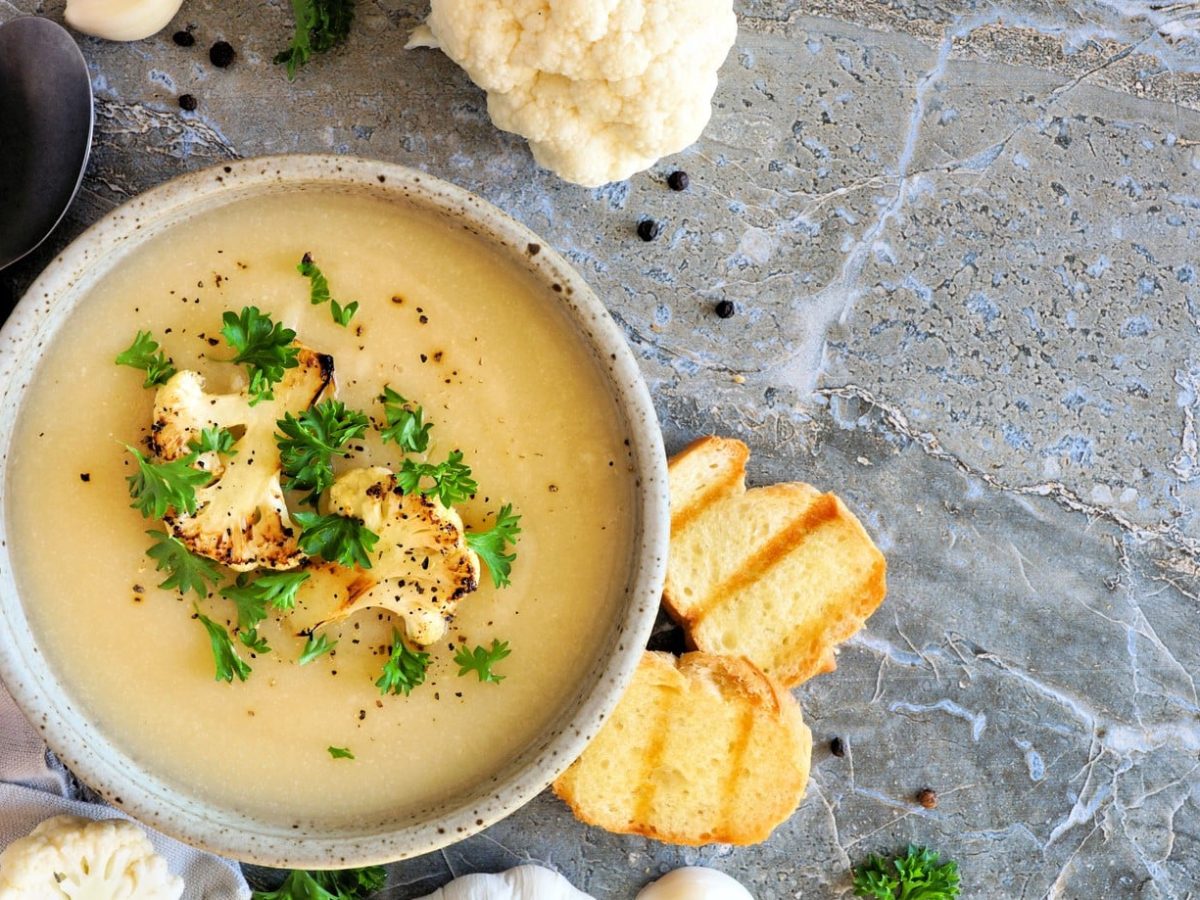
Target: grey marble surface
{"points": [[961, 238]]}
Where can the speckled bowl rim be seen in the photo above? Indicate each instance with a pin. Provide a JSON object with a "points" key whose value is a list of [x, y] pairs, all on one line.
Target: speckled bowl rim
{"points": [[120, 779]]}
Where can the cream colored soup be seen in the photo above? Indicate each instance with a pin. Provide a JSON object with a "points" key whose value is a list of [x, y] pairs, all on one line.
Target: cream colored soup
{"points": [[449, 323]]}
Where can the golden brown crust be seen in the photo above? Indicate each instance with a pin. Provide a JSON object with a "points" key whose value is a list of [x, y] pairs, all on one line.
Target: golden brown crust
{"points": [[729, 481]]}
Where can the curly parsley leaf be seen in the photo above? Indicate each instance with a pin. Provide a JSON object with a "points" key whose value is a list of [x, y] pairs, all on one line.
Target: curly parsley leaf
{"points": [[307, 444], [188, 572], [264, 346], [406, 425], [163, 486], [919, 874], [404, 670], [480, 661], [144, 354], [252, 598], [450, 480], [347, 884], [214, 440], [320, 26], [339, 539], [490, 544], [252, 640], [314, 647], [226, 657], [318, 291], [340, 753]]}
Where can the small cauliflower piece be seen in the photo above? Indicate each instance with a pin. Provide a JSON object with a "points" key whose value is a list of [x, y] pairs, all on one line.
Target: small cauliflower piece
{"points": [[601, 88], [420, 568], [72, 858], [241, 518]]}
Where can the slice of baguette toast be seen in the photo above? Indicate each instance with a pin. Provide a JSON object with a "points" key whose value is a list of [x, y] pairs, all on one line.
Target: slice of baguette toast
{"points": [[778, 574], [701, 749]]}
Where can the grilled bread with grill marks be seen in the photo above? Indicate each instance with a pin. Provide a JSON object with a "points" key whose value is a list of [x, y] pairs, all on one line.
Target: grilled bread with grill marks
{"points": [[778, 574], [701, 749]]}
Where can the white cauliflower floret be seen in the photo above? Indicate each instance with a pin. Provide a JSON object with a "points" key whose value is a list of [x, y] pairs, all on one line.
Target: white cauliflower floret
{"points": [[71, 858], [241, 518], [420, 568], [601, 88]]}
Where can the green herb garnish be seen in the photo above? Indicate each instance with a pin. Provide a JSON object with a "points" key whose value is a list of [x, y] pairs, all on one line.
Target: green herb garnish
{"points": [[339, 539], [349, 884], [480, 661], [252, 640], [314, 647], [318, 291], [405, 423], [159, 487], [490, 544], [307, 444], [917, 875], [451, 480], [264, 346], [188, 572], [320, 26], [144, 354], [214, 440], [404, 670], [252, 598], [226, 657], [340, 753]]}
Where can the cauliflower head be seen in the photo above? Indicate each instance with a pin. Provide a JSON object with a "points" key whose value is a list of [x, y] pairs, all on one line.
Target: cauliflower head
{"points": [[600, 88], [241, 517], [71, 858], [420, 568]]}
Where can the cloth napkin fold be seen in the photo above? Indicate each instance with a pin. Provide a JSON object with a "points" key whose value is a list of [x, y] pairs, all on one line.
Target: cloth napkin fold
{"points": [[35, 786]]}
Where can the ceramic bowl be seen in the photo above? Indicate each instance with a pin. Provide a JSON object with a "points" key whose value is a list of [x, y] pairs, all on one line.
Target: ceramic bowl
{"points": [[119, 776]]}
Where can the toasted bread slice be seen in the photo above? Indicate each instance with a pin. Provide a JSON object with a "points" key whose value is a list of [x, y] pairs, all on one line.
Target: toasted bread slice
{"points": [[778, 574], [701, 749]]}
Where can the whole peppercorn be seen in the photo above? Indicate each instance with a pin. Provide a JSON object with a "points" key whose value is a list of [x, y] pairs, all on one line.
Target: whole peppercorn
{"points": [[837, 747], [188, 102], [678, 180], [927, 797], [183, 38], [725, 309], [648, 229], [221, 54]]}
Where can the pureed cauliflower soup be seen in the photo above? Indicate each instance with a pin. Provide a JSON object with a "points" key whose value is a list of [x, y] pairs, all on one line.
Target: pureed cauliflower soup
{"points": [[448, 322]]}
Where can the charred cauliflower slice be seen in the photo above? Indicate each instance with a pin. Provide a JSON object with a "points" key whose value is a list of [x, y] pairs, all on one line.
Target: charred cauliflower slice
{"points": [[420, 568], [241, 519]]}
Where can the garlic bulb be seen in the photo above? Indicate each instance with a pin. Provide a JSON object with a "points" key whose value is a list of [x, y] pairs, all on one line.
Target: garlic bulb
{"points": [[521, 883], [694, 883], [121, 20]]}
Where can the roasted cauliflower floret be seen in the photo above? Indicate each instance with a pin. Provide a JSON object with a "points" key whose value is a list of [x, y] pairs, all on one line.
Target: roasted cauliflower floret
{"points": [[420, 568], [241, 519], [71, 858]]}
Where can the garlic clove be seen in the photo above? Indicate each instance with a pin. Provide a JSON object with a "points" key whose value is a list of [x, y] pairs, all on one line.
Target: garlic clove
{"points": [[121, 20], [695, 883], [521, 883]]}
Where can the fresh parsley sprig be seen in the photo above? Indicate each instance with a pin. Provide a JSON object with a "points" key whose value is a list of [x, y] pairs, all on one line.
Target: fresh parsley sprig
{"points": [[254, 641], [404, 670], [145, 354], [919, 874], [225, 655], [348, 884], [162, 486], [320, 26], [406, 425], [340, 752], [188, 572], [490, 544], [318, 291], [339, 539], [450, 480], [314, 647], [214, 440], [263, 345], [252, 598], [308, 443], [481, 660]]}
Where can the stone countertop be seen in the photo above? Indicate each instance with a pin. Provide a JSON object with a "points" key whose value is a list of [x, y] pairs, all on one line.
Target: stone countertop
{"points": [[960, 238]]}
